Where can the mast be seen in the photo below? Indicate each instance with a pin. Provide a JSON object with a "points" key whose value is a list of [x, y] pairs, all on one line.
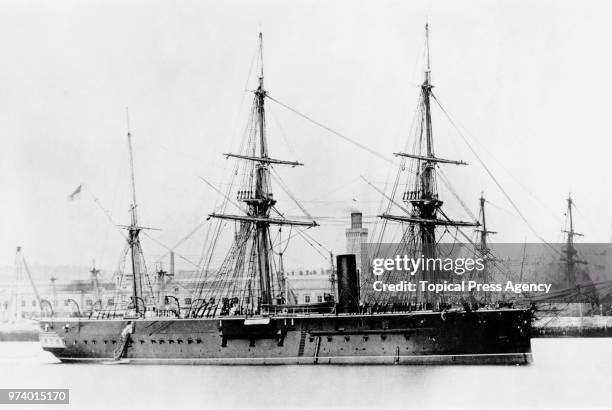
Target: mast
{"points": [[262, 195], [483, 247], [427, 208], [570, 256], [261, 201], [483, 243], [423, 197], [134, 229]]}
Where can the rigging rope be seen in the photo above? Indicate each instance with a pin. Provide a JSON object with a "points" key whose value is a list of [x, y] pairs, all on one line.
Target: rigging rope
{"points": [[344, 137], [179, 243], [169, 250], [508, 197], [285, 188]]}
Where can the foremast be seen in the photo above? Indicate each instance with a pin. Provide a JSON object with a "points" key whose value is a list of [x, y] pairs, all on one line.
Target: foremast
{"points": [[260, 202], [426, 213], [134, 234]]}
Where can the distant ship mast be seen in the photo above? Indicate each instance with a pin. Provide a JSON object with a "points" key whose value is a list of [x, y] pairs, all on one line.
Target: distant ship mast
{"points": [[570, 256], [484, 239], [423, 198], [483, 244]]}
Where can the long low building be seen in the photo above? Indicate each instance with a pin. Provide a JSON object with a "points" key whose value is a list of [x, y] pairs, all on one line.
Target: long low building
{"points": [[82, 296]]}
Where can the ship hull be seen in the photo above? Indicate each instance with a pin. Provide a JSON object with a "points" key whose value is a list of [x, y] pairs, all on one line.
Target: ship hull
{"points": [[419, 338]]}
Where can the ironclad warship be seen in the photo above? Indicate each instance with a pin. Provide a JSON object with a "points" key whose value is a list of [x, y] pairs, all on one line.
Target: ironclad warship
{"points": [[242, 312]]}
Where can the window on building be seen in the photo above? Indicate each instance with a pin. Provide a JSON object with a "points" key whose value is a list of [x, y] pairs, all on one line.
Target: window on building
{"points": [[66, 302], [110, 302], [306, 298], [176, 290], [88, 302], [320, 298], [34, 303], [23, 303], [188, 301]]}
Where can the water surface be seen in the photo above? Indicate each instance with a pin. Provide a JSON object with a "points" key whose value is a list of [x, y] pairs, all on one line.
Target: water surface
{"points": [[565, 373]]}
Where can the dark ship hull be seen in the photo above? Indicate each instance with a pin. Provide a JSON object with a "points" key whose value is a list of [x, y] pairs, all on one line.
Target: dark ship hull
{"points": [[424, 337]]}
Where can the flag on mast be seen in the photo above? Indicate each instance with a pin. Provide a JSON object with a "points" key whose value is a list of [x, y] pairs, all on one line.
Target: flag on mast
{"points": [[75, 194]]}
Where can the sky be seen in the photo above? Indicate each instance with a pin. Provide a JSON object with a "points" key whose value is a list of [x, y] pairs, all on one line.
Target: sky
{"points": [[528, 82]]}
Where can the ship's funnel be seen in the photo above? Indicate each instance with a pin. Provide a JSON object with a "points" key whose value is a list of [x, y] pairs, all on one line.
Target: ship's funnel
{"points": [[348, 284]]}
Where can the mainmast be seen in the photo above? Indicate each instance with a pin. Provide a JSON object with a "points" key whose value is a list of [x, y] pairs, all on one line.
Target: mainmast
{"points": [[261, 201], [423, 197], [429, 203]]}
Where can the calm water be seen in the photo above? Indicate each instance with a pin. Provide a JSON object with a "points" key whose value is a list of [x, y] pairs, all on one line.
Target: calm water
{"points": [[565, 373]]}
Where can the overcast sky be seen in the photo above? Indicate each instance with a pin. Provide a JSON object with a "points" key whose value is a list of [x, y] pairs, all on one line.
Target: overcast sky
{"points": [[528, 80]]}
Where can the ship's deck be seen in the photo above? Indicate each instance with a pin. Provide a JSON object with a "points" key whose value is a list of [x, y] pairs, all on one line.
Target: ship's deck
{"points": [[285, 316]]}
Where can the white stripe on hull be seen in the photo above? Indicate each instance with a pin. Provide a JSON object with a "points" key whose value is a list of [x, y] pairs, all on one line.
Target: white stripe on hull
{"points": [[465, 359]]}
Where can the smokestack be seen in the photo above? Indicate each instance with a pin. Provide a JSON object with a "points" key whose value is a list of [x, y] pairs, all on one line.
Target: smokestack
{"points": [[348, 284]]}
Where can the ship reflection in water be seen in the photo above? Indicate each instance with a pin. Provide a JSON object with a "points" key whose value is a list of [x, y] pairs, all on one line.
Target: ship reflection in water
{"points": [[564, 373]]}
